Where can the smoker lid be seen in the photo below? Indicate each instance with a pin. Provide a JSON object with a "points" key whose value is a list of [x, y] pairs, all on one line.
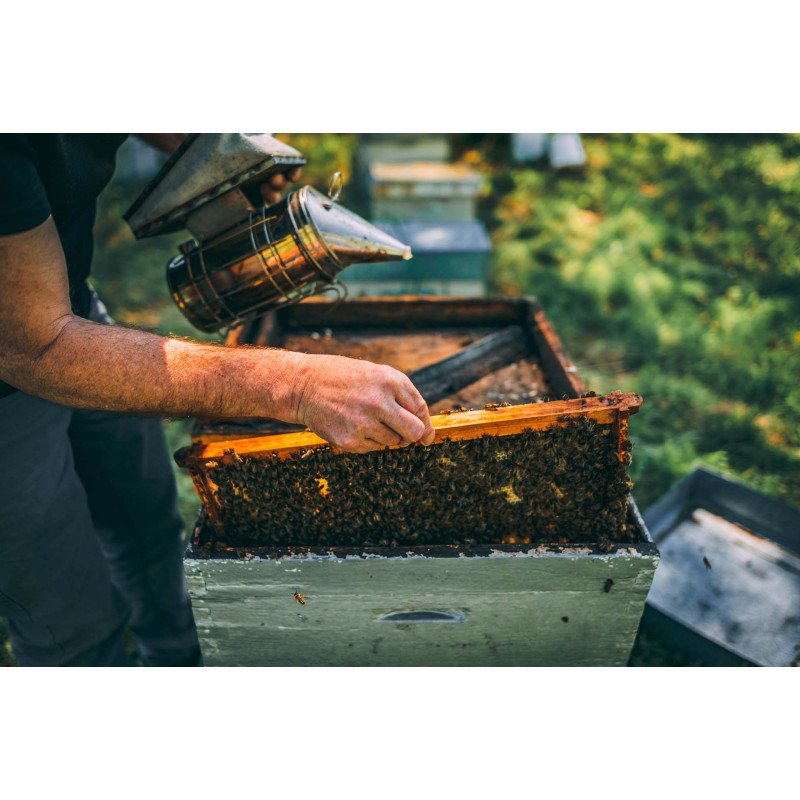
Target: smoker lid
{"points": [[439, 236], [206, 166]]}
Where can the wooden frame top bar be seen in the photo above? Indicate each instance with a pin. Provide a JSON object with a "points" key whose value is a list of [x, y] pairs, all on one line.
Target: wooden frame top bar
{"points": [[502, 421]]}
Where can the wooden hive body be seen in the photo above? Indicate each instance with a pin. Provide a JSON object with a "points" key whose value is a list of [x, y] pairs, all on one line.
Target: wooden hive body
{"points": [[509, 601]]}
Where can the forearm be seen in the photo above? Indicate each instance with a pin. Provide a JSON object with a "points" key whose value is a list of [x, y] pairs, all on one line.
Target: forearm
{"points": [[87, 365], [47, 351]]}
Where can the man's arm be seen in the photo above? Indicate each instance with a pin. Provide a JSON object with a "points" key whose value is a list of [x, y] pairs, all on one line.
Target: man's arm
{"points": [[47, 351]]}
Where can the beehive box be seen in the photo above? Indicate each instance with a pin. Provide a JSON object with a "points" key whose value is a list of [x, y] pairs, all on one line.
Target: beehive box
{"points": [[422, 190], [573, 598]]}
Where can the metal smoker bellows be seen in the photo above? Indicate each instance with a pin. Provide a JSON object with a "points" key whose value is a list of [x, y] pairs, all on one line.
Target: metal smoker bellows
{"points": [[245, 259]]}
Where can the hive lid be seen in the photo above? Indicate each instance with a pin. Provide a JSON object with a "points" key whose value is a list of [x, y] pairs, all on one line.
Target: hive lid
{"points": [[205, 167]]}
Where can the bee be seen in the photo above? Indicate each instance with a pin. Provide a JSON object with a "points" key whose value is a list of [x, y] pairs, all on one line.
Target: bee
{"points": [[706, 562], [608, 584], [604, 544], [300, 599], [565, 619]]}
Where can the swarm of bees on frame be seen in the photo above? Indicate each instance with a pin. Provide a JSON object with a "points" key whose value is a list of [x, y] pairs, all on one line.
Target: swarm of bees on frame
{"points": [[559, 485]]}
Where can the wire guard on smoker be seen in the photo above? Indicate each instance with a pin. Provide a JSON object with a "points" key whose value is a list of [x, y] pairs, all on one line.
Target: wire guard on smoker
{"points": [[278, 256]]}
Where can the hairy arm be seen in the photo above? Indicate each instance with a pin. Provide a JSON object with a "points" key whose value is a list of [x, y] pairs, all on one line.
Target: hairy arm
{"points": [[47, 351]]}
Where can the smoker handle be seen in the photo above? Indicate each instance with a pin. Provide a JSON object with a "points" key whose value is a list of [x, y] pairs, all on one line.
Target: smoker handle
{"points": [[421, 616]]}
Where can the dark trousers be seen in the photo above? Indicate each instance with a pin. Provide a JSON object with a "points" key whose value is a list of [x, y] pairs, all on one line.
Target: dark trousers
{"points": [[91, 541]]}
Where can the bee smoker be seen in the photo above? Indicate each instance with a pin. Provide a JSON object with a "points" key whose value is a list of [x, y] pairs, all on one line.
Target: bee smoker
{"points": [[246, 259]]}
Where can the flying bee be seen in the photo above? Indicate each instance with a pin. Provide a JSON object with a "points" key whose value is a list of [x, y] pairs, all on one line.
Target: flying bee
{"points": [[300, 599], [706, 562], [608, 584]]}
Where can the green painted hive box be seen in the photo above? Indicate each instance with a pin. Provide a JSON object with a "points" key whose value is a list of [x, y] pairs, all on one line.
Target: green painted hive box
{"points": [[519, 601]]}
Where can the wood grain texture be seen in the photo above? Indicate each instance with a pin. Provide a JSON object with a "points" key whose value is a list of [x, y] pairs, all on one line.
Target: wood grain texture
{"points": [[513, 610]]}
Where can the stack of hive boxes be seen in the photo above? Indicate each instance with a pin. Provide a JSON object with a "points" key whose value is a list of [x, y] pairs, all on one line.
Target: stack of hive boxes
{"points": [[413, 192]]}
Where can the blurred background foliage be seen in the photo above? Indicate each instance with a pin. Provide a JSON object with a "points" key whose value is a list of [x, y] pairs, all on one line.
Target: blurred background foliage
{"points": [[670, 265]]}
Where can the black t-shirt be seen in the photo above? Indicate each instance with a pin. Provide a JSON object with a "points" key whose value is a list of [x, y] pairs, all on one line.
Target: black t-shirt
{"points": [[60, 174]]}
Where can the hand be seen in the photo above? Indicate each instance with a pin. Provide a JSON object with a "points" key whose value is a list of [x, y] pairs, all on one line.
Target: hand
{"points": [[271, 188], [359, 406], [165, 142]]}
